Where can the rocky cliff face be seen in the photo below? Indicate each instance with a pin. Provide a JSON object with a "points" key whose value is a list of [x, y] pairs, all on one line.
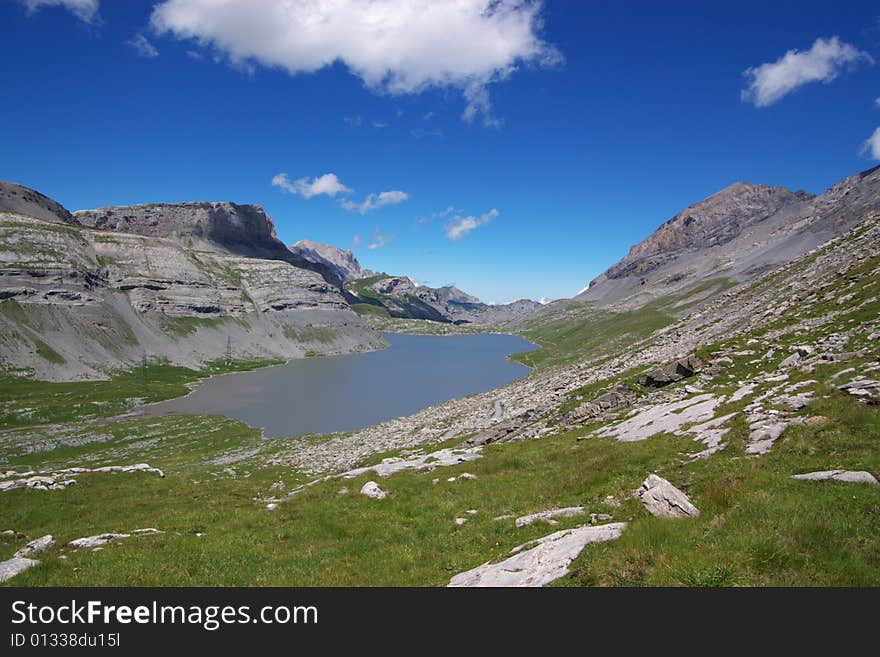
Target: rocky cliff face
{"points": [[342, 261], [712, 222], [733, 236], [79, 302], [244, 230]]}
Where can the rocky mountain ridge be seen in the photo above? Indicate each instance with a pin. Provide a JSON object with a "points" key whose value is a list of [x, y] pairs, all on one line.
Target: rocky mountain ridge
{"points": [[400, 297], [77, 302], [342, 261], [735, 234], [243, 230]]}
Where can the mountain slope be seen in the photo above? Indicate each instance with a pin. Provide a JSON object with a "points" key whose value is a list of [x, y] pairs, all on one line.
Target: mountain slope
{"points": [[77, 302], [244, 230], [735, 234], [339, 260], [399, 296]]}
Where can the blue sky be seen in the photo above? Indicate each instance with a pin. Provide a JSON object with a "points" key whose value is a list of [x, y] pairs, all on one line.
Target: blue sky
{"points": [[545, 139]]}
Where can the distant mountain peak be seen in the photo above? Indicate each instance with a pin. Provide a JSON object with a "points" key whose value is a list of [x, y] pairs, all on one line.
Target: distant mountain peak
{"points": [[342, 261], [713, 221]]}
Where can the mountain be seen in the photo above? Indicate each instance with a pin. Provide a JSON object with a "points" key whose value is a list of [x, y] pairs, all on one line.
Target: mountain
{"points": [[399, 296], [18, 199], [339, 260], [370, 292], [184, 283], [244, 230], [733, 236]]}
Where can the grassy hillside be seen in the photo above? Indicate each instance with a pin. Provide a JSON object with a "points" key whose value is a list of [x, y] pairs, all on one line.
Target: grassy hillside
{"points": [[757, 525], [581, 330]]}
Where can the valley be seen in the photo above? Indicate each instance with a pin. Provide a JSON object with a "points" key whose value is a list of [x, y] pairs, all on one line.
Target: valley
{"points": [[733, 355]]}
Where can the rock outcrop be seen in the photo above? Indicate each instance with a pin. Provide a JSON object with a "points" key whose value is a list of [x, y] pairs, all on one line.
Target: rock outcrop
{"points": [[540, 565], [185, 286], [243, 230], [12, 567], [664, 500], [849, 476], [550, 516], [736, 235], [341, 261], [35, 547], [671, 372]]}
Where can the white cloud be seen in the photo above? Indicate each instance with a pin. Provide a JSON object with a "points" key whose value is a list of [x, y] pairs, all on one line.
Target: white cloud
{"points": [[380, 124], [823, 62], [394, 46], [379, 240], [877, 102], [355, 241], [142, 46], [327, 184], [86, 10], [872, 146], [461, 227], [375, 201], [353, 121], [445, 212]]}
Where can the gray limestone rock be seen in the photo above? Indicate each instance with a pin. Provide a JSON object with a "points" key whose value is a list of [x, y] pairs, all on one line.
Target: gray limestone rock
{"points": [[850, 476], [671, 372], [36, 546], [371, 489], [664, 500], [12, 567], [539, 562], [550, 516]]}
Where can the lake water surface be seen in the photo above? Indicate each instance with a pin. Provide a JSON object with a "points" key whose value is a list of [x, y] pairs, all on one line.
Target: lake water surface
{"points": [[345, 393]]}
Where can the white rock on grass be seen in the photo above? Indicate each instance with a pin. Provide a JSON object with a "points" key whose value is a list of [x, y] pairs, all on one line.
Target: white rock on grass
{"points": [[763, 436], [421, 462], [849, 476], [664, 500], [550, 516], [371, 489], [655, 419], [547, 561], [36, 546], [12, 567], [103, 539]]}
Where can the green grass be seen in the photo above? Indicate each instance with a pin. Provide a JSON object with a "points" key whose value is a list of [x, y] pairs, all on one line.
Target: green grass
{"points": [[26, 402], [369, 309], [184, 326], [46, 352], [757, 527], [307, 334], [589, 333]]}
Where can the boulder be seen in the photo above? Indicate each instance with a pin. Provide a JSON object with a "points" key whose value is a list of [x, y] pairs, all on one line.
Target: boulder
{"points": [[671, 372], [664, 500], [618, 397], [371, 489]]}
